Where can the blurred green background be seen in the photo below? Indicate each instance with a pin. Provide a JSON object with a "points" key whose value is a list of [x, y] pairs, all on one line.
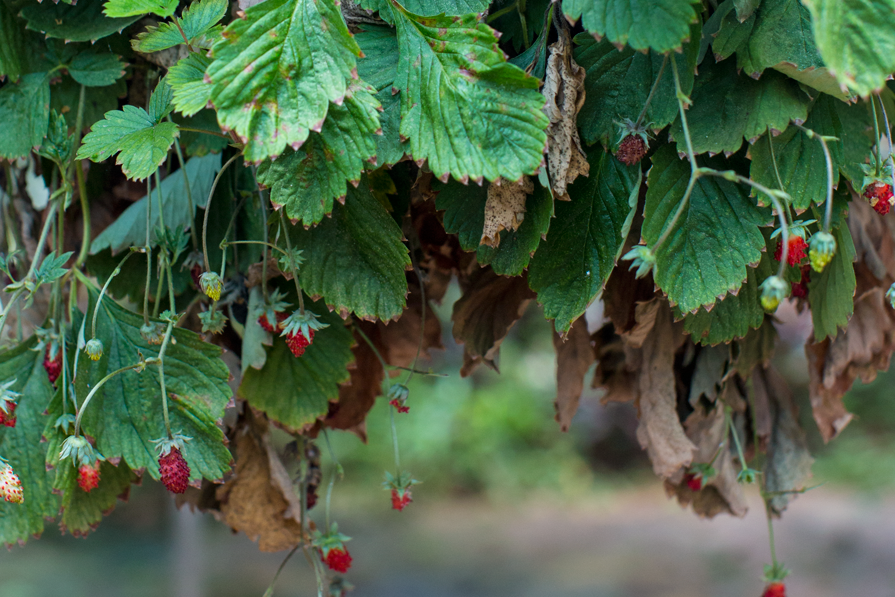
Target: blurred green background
{"points": [[511, 506]]}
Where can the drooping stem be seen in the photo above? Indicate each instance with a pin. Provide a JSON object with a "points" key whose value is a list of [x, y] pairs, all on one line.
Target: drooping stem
{"points": [[419, 346], [148, 253], [882, 108], [273, 581], [652, 92], [102, 292], [100, 384], [161, 372], [292, 264], [214, 185], [736, 438], [876, 138], [391, 416], [828, 211], [499, 13], [85, 215]]}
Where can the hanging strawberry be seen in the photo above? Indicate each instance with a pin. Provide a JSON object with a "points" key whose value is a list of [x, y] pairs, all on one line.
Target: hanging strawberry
{"points": [[273, 312], [796, 245], [88, 476], [10, 484], [331, 547], [633, 142], [53, 361], [8, 404], [397, 395], [299, 330], [85, 458], [877, 187], [173, 469], [400, 489]]}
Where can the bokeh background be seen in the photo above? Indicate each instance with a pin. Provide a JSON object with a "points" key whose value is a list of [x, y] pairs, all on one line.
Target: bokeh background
{"points": [[510, 506]]}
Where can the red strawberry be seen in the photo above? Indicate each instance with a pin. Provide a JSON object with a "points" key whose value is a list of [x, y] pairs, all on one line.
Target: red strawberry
{"points": [[297, 342], [774, 589], [397, 404], [694, 482], [9, 418], [880, 196], [53, 362], [175, 471], [400, 499], [10, 485], [631, 150], [337, 558], [797, 247], [264, 323], [88, 476]]}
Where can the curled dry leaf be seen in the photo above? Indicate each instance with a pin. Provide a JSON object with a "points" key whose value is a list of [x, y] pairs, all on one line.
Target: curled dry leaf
{"points": [[612, 373], [259, 499], [564, 90], [574, 356], [489, 307], [505, 208], [776, 420], [721, 493]]}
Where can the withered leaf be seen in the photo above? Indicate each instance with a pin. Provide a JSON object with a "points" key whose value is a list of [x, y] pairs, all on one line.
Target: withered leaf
{"points": [[564, 91], [660, 431], [489, 307], [574, 356], [504, 208], [259, 499], [612, 374]]}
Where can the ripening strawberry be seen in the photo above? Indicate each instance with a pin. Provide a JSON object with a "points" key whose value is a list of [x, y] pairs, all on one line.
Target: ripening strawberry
{"points": [[53, 362], [398, 406], [797, 250], [631, 150], [400, 499], [88, 476], [9, 418], [694, 481], [297, 342], [10, 485], [337, 558], [880, 196], [774, 589], [264, 323], [800, 288], [174, 471]]}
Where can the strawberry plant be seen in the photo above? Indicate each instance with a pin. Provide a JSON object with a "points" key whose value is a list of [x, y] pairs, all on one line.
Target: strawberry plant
{"points": [[246, 208]]}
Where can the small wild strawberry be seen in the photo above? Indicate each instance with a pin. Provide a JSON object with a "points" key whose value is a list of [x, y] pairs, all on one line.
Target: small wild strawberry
{"points": [[297, 342], [53, 361], [274, 310], [88, 476], [337, 558], [797, 250], [174, 471], [694, 482], [400, 499], [774, 589], [211, 284], [8, 418], [822, 248], [8, 403], [10, 485], [633, 142], [880, 196], [94, 349], [398, 406]]}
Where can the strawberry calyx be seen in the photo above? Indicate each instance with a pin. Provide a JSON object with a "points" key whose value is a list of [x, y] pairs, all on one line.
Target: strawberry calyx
{"points": [[298, 329], [272, 314], [399, 486], [397, 395], [331, 546]]}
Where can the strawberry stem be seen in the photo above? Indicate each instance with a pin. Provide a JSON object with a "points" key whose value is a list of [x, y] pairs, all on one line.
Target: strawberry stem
{"points": [[828, 213], [882, 107], [292, 264], [102, 292], [214, 185], [876, 138], [652, 92]]}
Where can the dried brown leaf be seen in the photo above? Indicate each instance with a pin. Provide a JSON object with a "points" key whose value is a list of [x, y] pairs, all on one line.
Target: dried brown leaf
{"points": [[489, 307], [564, 91], [612, 373], [574, 356], [504, 208]]}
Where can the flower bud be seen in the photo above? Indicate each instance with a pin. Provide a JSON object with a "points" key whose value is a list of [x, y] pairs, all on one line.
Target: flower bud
{"points": [[211, 285], [773, 290], [94, 349]]}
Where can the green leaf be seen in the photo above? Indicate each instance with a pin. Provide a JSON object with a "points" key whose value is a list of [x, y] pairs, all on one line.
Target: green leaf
{"points": [[134, 8], [429, 8], [661, 25], [21, 445], [25, 114], [464, 210], [745, 8], [129, 229], [856, 138], [831, 293], [296, 391], [585, 239], [463, 107], [201, 144], [355, 259], [516, 247], [618, 83], [83, 511], [141, 142], [126, 414], [66, 94], [92, 68], [855, 40], [186, 78], [19, 49], [717, 237], [748, 108], [800, 160], [735, 315], [198, 18], [378, 68], [305, 182], [276, 71], [83, 21]]}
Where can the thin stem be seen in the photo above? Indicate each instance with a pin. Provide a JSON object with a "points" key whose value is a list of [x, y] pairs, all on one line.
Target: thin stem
{"points": [[391, 416], [102, 292], [774, 160], [182, 34], [876, 138], [828, 211], [652, 92], [96, 388], [148, 251], [85, 214], [214, 185], [189, 192], [160, 287], [203, 132], [499, 13], [288, 557], [882, 107], [332, 480], [767, 509], [681, 98], [161, 370], [224, 242], [736, 439], [283, 224], [372, 347], [253, 242], [419, 346]]}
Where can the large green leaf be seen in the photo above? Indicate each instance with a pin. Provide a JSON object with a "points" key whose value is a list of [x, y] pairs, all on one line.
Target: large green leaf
{"points": [[196, 21], [378, 68], [729, 107], [585, 239], [464, 211], [429, 8], [129, 229], [296, 391], [141, 142], [92, 68], [735, 315], [306, 181], [21, 445], [660, 25], [126, 414], [800, 161], [463, 107], [355, 260], [19, 49], [83, 21], [855, 40], [618, 83], [25, 114], [136, 8], [831, 293], [717, 237], [857, 138], [187, 80], [276, 71]]}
